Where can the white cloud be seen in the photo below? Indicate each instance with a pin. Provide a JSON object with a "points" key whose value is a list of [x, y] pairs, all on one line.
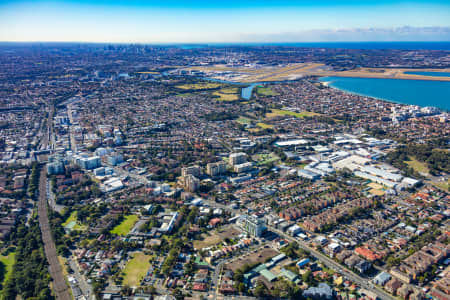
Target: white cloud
{"points": [[405, 33]]}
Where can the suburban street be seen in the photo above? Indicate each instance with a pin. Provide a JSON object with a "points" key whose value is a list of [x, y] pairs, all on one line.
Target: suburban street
{"points": [[363, 282], [85, 287], [52, 200]]}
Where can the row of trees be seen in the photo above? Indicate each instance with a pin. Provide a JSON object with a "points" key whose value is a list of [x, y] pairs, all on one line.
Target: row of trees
{"points": [[30, 278]]}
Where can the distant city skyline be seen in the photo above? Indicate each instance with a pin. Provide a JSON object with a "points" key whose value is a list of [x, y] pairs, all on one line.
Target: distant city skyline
{"points": [[198, 21]]}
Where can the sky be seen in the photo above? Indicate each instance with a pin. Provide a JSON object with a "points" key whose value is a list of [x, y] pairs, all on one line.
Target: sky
{"points": [[239, 21]]}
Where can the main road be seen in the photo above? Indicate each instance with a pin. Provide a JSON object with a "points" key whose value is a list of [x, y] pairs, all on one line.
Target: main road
{"points": [[73, 143], [364, 282]]}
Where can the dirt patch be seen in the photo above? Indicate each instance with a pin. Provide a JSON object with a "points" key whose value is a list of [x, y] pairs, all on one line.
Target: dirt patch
{"points": [[251, 258], [215, 237]]}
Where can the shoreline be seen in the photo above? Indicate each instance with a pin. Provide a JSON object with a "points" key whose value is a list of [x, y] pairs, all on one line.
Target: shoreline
{"points": [[401, 76], [330, 85]]}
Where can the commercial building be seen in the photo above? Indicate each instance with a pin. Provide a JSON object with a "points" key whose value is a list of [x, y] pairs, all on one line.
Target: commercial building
{"points": [[112, 184], [215, 169], [86, 162], [192, 170], [237, 158], [381, 173], [292, 143], [240, 179], [114, 159], [382, 278], [191, 183], [303, 262], [168, 221], [55, 168], [376, 179], [254, 226], [322, 291], [308, 174], [294, 230], [243, 167]]}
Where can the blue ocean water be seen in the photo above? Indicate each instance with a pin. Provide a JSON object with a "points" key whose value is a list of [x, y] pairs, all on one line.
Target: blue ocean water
{"points": [[415, 92], [437, 74]]}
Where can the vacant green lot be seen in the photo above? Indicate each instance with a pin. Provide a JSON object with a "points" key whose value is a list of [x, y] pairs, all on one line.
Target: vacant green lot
{"points": [[136, 269], [243, 120], [417, 165], [266, 91], [281, 112], [199, 86], [265, 158], [8, 262], [72, 222], [444, 185], [126, 225], [71, 218], [264, 125], [227, 94], [214, 237]]}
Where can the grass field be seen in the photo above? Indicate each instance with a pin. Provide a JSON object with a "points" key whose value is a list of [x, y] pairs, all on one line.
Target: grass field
{"points": [[281, 112], [444, 185], [256, 129], [72, 222], [417, 165], [8, 261], [266, 91], [263, 159], [264, 125], [62, 262], [126, 225], [208, 241], [243, 120], [71, 218], [136, 269], [227, 94], [199, 86]]}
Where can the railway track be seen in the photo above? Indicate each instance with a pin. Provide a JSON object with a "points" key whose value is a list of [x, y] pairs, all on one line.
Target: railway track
{"points": [[60, 287]]}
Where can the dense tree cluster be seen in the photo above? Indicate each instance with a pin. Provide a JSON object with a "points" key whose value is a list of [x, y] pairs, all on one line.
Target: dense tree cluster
{"points": [[30, 278], [436, 160], [220, 116]]}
